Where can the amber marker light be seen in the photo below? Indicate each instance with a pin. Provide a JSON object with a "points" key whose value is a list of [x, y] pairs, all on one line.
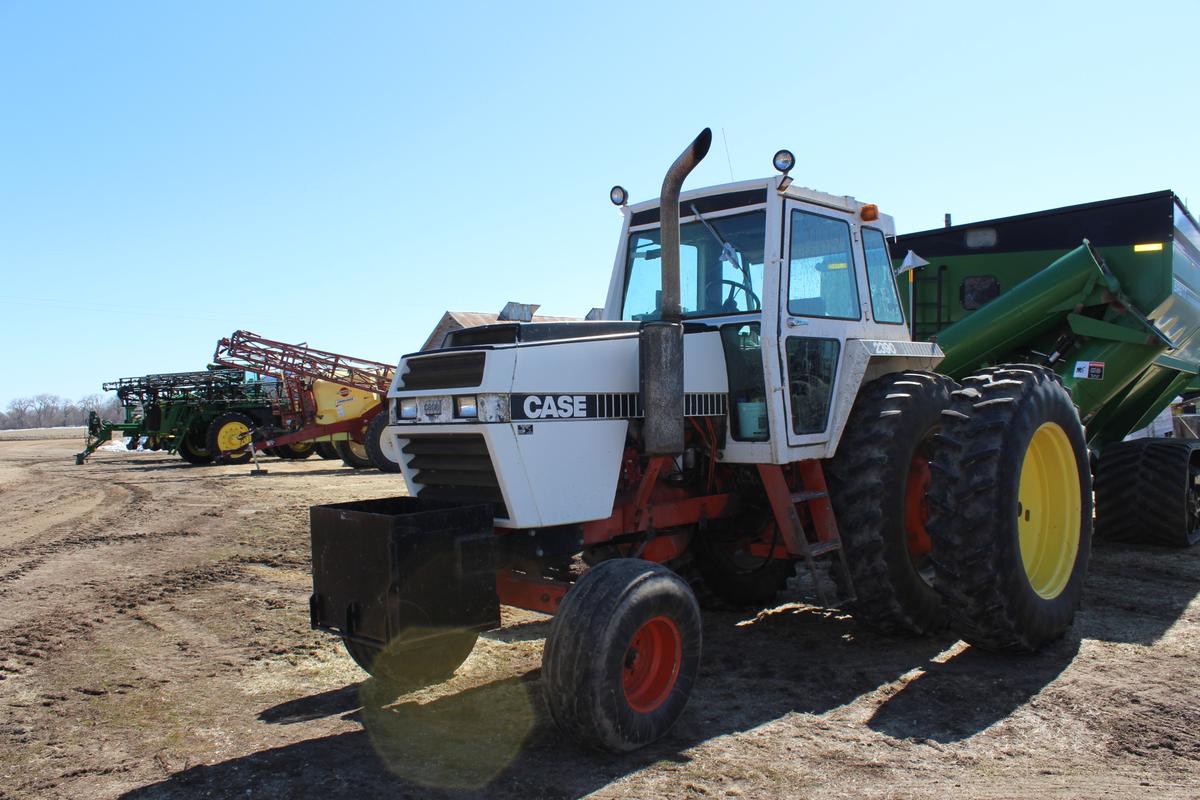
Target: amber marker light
{"points": [[1151, 247], [869, 212]]}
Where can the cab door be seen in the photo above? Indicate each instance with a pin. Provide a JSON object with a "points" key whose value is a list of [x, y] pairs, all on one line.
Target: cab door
{"points": [[820, 307]]}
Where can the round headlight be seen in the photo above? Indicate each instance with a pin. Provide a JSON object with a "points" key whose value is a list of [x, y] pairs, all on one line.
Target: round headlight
{"points": [[618, 195], [784, 160]]}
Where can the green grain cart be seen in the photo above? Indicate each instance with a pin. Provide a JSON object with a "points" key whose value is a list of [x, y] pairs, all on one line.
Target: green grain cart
{"points": [[1106, 294]]}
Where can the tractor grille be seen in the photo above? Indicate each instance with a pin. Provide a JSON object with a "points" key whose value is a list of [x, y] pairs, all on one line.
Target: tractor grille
{"points": [[455, 371], [455, 469]]}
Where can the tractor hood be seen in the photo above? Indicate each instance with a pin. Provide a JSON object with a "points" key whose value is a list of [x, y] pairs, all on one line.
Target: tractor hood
{"points": [[534, 417]]}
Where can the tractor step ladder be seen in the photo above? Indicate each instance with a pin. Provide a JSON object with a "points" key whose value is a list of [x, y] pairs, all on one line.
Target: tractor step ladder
{"points": [[815, 494]]}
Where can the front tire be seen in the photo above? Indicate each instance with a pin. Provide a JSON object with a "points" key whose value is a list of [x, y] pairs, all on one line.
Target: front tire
{"points": [[403, 666], [877, 485], [353, 454], [1011, 509], [295, 452], [228, 432], [327, 451], [192, 450], [379, 450], [622, 655]]}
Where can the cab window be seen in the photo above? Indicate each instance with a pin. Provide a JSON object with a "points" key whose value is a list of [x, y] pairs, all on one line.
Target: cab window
{"points": [[821, 280], [885, 305]]}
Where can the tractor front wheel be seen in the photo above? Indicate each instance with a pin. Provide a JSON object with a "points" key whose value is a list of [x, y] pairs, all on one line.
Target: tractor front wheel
{"points": [[406, 665], [327, 451], [1011, 509], [622, 655]]}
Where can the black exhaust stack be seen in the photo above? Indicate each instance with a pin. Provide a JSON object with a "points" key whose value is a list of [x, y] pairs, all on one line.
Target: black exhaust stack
{"points": [[661, 342]]}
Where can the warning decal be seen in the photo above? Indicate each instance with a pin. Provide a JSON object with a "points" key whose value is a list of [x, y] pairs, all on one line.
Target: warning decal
{"points": [[1089, 370]]}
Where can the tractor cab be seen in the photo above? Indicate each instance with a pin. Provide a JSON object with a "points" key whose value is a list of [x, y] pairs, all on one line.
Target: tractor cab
{"points": [[796, 284]]}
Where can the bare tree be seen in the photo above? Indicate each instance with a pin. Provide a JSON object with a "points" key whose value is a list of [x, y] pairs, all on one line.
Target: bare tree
{"points": [[19, 411]]}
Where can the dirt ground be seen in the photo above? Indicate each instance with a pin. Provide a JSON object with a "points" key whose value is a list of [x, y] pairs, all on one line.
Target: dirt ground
{"points": [[154, 643]]}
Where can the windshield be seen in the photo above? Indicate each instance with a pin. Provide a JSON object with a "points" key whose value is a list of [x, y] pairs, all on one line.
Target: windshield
{"points": [[720, 270]]}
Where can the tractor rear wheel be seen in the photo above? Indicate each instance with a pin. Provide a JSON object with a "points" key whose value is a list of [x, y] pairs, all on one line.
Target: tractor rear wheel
{"points": [[622, 655], [379, 447], [353, 454], [327, 451], [877, 484], [1146, 492], [405, 665], [228, 432], [1011, 509], [192, 450]]}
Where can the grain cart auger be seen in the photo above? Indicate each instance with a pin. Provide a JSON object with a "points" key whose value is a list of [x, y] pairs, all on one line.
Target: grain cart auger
{"points": [[332, 398], [173, 411], [751, 399]]}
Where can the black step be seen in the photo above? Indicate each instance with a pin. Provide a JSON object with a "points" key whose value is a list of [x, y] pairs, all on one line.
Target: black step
{"points": [[821, 548]]}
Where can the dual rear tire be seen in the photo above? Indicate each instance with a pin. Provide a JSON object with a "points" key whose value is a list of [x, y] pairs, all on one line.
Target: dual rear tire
{"points": [[1011, 509], [969, 507]]}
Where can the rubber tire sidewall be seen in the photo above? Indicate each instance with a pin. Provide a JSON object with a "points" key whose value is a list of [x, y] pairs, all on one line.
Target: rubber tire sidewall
{"points": [[376, 429], [188, 454], [583, 662], [871, 516], [407, 667], [349, 458], [215, 426], [327, 451], [1001, 610]]}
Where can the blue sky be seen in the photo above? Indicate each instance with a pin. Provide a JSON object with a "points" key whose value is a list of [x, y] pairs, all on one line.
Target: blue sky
{"points": [[343, 173]]}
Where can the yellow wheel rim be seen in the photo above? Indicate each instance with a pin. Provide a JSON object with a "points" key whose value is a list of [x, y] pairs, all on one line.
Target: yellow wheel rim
{"points": [[233, 435], [302, 447], [1048, 511], [359, 450]]}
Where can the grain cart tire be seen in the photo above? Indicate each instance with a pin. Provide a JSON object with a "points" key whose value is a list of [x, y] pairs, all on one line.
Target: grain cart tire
{"points": [[378, 450], [1011, 507], [730, 574], [622, 655], [295, 452], [327, 451], [192, 450], [1146, 492], [228, 431], [353, 454], [404, 667], [878, 482]]}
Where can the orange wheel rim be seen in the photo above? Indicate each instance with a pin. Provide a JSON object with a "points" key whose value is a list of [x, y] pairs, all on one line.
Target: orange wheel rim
{"points": [[916, 508], [652, 664]]}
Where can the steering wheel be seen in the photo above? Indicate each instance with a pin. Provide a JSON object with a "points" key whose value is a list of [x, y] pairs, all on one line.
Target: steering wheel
{"points": [[751, 298]]}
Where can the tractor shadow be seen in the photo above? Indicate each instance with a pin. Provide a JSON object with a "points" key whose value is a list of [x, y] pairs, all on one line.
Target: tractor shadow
{"points": [[498, 740]]}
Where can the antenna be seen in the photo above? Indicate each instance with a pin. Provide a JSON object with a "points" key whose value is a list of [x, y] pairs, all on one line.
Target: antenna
{"points": [[727, 158]]}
